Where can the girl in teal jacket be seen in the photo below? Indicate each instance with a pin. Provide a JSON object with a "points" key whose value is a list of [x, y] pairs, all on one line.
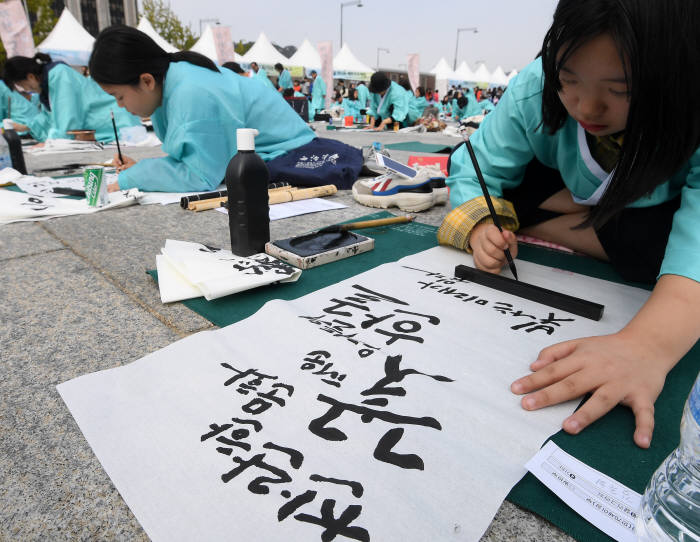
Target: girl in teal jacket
{"points": [[72, 101], [580, 151], [388, 102], [22, 111], [195, 110]]}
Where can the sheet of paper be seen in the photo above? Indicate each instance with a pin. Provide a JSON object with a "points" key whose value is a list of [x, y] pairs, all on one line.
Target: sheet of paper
{"points": [[52, 146], [300, 207], [21, 207], [216, 272], [378, 408], [43, 186], [604, 502]]}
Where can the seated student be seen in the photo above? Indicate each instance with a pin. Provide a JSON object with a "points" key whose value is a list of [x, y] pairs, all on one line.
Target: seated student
{"points": [[72, 101], [388, 102], [297, 87], [291, 93], [285, 79], [581, 152], [352, 105], [446, 105], [337, 107], [22, 112], [465, 106], [195, 110], [416, 105]]}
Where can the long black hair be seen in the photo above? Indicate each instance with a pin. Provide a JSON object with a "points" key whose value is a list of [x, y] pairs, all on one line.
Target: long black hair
{"points": [[17, 68], [659, 45], [121, 54]]}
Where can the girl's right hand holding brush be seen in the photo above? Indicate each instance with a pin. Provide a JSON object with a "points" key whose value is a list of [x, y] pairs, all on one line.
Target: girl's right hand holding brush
{"points": [[488, 244], [124, 163]]}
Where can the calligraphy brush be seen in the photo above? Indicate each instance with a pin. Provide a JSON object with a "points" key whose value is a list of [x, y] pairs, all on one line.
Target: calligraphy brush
{"points": [[341, 228], [487, 197], [116, 137]]}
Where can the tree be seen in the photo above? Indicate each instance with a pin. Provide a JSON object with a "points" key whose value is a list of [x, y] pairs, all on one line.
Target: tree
{"points": [[42, 20], [42, 17], [167, 24]]}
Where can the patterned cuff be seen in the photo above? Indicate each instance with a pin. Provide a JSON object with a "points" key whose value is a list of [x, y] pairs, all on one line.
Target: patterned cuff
{"points": [[458, 225]]}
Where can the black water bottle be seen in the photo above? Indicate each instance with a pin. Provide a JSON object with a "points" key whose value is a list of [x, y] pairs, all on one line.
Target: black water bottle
{"points": [[16, 153], [246, 185]]}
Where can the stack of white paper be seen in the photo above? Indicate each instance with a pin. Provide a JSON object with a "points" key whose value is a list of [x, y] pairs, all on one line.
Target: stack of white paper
{"points": [[187, 270]]}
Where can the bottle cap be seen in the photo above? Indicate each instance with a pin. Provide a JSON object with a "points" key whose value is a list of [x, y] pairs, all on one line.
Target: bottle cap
{"points": [[245, 138]]}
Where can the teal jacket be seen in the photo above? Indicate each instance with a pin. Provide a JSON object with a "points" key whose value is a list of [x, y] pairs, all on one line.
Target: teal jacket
{"points": [[363, 95], [197, 121], [486, 105], [416, 106], [262, 76], [397, 96], [472, 108], [318, 93], [22, 111], [78, 103], [352, 107], [284, 80], [512, 135]]}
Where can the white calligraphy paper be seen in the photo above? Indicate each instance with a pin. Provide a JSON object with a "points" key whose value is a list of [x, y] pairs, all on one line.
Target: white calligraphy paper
{"points": [[377, 408], [192, 268], [21, 207]]}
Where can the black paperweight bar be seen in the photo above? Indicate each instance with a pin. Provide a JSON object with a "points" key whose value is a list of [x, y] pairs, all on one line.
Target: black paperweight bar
{"points": [[557, 300]]}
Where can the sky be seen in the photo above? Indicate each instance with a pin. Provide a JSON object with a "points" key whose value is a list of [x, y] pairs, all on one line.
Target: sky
{"points": [[509, 32]]}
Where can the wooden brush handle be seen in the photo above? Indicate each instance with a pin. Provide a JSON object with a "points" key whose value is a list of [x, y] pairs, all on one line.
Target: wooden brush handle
{"points": [[294, 194], [377, 222]]}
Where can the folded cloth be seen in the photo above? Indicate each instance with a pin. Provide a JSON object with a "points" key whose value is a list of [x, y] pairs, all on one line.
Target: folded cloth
{"points": [[320, 162]]}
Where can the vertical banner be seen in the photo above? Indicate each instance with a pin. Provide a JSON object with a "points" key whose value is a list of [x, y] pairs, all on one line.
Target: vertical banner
{"points": [[223, 43], [325, 51], [14, 29], [413, 70]]}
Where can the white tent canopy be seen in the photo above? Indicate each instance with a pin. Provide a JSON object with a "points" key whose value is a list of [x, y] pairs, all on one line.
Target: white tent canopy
{"points": [[347, 66], [482, 74], [463, 73], [264, 53], [146, 27], [511, 75], [206, 45], [68, 41], [442, 70], [498, 77], [306, 56]]}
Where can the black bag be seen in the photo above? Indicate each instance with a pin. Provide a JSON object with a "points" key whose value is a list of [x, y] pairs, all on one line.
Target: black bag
{"points": [[319, 162]]}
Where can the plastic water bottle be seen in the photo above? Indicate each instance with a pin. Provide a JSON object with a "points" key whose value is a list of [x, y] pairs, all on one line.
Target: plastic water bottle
{"points": [[670, 507], [5, 158], [246, 179]]}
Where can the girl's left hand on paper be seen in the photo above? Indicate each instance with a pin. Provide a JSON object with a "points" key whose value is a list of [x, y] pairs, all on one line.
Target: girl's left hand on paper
{"points": [[615, 368], [124, 163], [114, 187]]}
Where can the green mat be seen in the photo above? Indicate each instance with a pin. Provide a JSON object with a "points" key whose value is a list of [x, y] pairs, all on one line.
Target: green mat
{"points": [[417, 146], [606, 445]]}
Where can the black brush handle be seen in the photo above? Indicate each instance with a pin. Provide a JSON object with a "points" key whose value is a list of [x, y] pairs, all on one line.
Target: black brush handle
{"points": [[557, 300]]}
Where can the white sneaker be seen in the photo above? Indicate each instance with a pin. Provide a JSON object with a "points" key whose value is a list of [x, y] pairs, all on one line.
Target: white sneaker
{"points": [[393, 190]]}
